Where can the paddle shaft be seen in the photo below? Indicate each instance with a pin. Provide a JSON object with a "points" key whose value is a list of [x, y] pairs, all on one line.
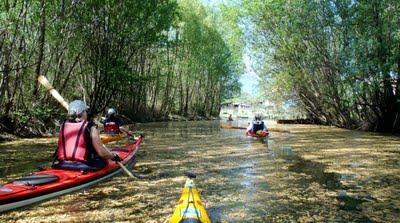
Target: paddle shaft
{"points": [[43, 80], [126, 170], [269, 129]]}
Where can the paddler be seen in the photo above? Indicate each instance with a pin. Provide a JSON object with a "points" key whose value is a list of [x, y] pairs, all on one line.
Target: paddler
{"points": [[113, 124], [79, 144], [256, 125]]}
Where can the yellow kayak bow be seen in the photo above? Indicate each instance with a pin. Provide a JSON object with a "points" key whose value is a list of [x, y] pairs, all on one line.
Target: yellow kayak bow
{"points": [[190, 209], [106, 138]]}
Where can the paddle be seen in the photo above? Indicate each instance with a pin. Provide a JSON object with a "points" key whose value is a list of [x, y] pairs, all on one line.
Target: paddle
{"points": [[269, 129], [43, 80]]}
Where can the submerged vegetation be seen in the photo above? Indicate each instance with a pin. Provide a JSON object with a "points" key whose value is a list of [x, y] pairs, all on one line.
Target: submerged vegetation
{"points": [[149, 59], [314, 174]]}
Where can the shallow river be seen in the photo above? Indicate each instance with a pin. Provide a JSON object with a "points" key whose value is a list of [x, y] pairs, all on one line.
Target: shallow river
{"points": [[312, 174]]}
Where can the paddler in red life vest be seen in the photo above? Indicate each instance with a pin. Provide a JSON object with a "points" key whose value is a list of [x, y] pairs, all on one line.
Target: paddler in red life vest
{"points": [[79, 144], [256, 125], [112, 124]]}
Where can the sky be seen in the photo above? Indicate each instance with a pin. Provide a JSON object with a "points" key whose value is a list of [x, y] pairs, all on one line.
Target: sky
{"points": [[249, 78]]}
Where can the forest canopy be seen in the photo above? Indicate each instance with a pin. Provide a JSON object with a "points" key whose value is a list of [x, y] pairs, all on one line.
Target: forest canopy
{"points": [[148, 59], [339, 59]]}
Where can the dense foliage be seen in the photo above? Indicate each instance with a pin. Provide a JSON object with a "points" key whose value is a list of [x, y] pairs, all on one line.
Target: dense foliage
{"points": [[339, 58], [149, 59]]}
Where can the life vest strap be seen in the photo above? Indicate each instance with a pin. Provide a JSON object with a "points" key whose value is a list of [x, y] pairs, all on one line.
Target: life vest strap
{"points": [[77, 140], [63, 139]]}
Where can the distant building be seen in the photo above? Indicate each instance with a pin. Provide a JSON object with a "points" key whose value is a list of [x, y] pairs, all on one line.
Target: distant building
{"points": [[240, 110], [267, 109]]}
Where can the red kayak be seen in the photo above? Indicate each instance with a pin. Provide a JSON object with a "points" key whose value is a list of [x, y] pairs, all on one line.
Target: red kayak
{"points": [[49, 183], [258, 134]]}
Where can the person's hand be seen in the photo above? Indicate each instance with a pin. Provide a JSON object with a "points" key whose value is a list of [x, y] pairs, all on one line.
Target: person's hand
{"points": [[116, 158]]}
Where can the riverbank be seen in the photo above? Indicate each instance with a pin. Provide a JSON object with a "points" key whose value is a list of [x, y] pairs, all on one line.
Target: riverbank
{"points": [[297, 121], [29, 130], [4, 137]]}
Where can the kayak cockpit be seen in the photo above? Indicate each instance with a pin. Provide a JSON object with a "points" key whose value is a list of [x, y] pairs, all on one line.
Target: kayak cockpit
{"points": [[36, 179]]}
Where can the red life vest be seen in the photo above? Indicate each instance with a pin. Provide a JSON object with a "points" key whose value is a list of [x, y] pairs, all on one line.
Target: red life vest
{"points": [[111, 128], [71, 142]]}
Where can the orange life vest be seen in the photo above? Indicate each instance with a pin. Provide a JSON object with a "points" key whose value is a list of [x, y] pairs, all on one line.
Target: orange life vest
{"points": [[72, 145]]}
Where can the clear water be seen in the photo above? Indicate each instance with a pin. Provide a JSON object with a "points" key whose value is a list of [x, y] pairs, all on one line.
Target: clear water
{"points": [[312, 174]]}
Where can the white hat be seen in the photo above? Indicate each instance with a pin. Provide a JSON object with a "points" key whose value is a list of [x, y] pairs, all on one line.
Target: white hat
{"points": [[77, 107], [111, 111]]}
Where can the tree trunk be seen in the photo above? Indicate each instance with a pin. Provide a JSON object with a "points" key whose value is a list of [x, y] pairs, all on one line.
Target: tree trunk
{"points": [[42, 29]]}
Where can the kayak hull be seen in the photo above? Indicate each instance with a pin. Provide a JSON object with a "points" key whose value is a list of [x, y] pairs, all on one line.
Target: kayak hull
{"points": [[15, 195], [190, 208], [258, 134]]}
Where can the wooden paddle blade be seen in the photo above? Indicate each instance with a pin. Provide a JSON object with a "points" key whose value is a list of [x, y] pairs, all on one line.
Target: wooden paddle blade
{"points": [[231, 127], [278, 130], [43, 80]]}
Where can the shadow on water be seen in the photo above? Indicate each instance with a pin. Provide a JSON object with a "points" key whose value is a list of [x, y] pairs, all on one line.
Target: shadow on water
{"points": [[317, 173], [330, 181]]}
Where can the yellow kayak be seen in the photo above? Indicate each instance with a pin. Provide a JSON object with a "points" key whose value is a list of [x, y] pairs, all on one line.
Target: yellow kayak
{"points": [[106, 138], [190, 209]]}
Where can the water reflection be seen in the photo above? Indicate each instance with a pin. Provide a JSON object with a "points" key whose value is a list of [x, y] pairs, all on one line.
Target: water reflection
{"points": [[313, 174]]}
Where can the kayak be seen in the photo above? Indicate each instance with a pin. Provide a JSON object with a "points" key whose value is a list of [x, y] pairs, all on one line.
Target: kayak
{"points": [[190, 209], [269, 129], [106, 138], [49, 183], [258, 134]]}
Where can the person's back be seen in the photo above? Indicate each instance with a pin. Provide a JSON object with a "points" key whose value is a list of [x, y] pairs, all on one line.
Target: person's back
{"points": [[75, 147], [79, 145], [112, 123], [256, 125]]}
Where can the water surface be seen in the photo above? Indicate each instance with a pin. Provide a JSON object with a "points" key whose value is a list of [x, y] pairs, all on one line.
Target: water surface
{"points": [[312, 174]]}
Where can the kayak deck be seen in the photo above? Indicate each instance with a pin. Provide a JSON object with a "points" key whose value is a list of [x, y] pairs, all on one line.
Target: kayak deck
{"points": [[20, 193], [190, 208], [106, 138], [258, 134]]}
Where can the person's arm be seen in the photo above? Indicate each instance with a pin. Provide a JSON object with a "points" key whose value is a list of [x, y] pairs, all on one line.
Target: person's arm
{"points": [[249, 127], [98, 145], [103, 120], [123, 129]]}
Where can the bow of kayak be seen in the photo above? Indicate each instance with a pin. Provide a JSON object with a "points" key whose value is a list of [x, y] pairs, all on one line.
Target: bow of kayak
{"points": [[258, 134], [190, 209], [106, 138]]}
